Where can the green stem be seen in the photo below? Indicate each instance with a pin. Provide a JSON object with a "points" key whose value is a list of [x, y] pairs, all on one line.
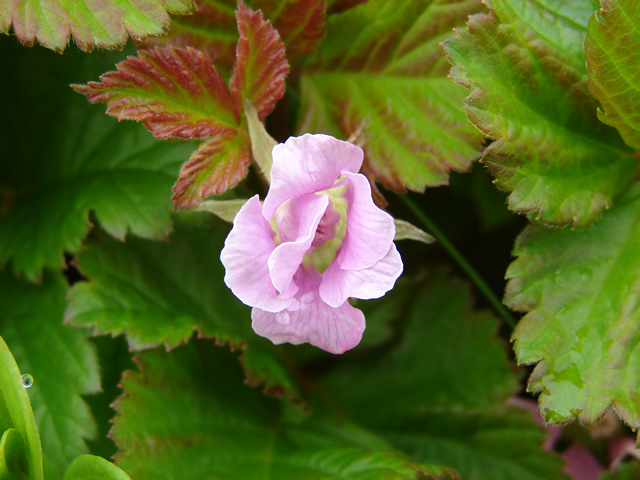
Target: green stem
{"points": [[460, 260]]}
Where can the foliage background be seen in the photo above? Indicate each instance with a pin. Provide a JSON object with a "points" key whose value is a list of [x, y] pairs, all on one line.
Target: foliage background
{"points": [[114, 302]]}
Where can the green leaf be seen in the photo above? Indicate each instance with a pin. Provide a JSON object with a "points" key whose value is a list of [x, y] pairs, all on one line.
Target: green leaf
{"points": [[213, 28], [93, 23], [159, 293], [580, 292], [64, 158], [60, 359], [525, 68], [625, 471], [612, 52], [11, 445], [16, 415], [443, 385], [381, 69], [90, 467], [186, 414]]}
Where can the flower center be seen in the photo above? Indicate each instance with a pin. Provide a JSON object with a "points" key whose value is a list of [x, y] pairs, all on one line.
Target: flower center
{"points": [[330, 232]]}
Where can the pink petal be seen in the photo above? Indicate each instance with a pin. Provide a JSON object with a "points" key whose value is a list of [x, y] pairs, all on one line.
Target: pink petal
{"points": [[308, 164], [245, 255], [335, 330], [373, 282], [370, 231], [297, 222]]}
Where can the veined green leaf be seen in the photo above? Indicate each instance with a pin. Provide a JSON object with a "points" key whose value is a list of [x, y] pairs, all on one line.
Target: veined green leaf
{"points": [[525, 67], [63, 158], [580, 290], [612, 52], [186, 414], [60, 360], [93, 23], [382, 71], [443, 387], [159, 293]]}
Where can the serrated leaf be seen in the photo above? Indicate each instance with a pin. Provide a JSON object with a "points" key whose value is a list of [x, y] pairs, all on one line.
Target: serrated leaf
{"points": [[217, 165], [443, 387], [213, 28], [16, 416], [60, 359], [178, 93], [186, 414], [612, 52], [580, 292], [381, 70], [64, 158], [525, 67], [159, 293], [93, 23], [261, 66], [175, 92], [90, 467]]}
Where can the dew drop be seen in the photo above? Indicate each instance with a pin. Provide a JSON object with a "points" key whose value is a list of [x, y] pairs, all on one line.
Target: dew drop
{"points": [[27, 380]]}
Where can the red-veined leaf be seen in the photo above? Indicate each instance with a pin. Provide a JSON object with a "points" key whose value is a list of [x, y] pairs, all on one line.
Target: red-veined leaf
{"points": [[261, 65], [218, 164], [175, 92]]}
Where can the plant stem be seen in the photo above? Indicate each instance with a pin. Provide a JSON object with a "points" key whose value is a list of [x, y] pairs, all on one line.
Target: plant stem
{"points": [[460, 260]]}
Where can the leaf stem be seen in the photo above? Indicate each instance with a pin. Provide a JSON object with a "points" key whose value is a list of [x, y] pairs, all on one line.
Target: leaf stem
{"points": [[460, 260]]}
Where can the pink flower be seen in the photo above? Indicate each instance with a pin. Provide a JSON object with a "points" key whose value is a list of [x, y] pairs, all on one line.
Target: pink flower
{"points": [[317, 241]]}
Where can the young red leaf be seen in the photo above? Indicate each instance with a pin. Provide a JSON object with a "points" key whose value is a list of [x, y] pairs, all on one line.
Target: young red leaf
{"points": [[301, 26], [175, 92], [217, 165], [261, 65], [213, 28]]}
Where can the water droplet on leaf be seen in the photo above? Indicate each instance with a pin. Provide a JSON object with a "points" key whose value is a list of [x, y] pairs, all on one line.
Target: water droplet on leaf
{"points": [[27, 380]]}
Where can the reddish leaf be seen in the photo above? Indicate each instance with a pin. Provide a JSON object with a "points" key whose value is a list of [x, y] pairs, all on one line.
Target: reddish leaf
{"points": [[301, 24], [175, 92], [261, 65], [212, 28], [217, 165]]}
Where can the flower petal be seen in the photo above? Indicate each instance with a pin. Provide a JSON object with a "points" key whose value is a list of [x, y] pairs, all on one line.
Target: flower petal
{"points": [[297, 221], [370, 230], [308, 164], [245, 255], [373, 282], [335, 330]]}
